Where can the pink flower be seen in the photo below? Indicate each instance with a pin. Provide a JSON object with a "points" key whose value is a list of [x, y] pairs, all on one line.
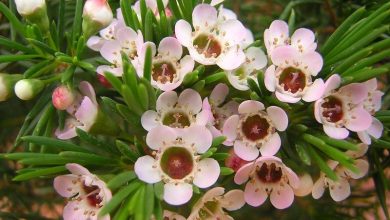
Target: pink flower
{"points": [[372, 104], [85, 191], [169, 67], [340, 189], [218, 110], [234, 162], [97, 14], [62, 97], [107, 34], [342, 110], [214, 40], [176, 112], [176, 161], [255, 60], [213, 203], [278, 35], [127, 41], [254, 129], [268, 176], [83, 111], [152, 5], [290, 76], [168, 215]]}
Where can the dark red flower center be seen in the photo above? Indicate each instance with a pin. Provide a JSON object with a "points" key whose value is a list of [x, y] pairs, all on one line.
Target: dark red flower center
{"points": [[255, 127], [177, 162], [269, 173], [332, 109], [176, 119], [163, 72], [92, 195], [292, 80], [208, 46]]}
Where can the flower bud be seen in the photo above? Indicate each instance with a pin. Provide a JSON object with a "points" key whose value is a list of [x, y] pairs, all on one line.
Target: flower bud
{"points": [[62, 97], [27, 89], [7, 83], [34, 11], [96, 16]]}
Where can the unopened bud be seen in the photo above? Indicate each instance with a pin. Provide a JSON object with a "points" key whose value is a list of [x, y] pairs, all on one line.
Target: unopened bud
{"points": [[97, 15], [27, 89], [34, 11], [62, 97], [234, 162], [7, 83]]}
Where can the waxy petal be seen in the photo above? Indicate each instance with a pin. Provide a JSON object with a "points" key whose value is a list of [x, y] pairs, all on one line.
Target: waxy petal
{"points": [[283, 197], [272, 146], [160, 136], [278, 117], [183, 32], [207, 173], [202, 144], [246, 152], [254, 195], [315, 91], [250, 106], [146, 169], [170, 46], [177, 194], [336, 133]]}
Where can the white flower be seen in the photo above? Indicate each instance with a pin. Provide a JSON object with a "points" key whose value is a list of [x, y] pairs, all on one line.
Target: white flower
{"points": [[27, 89], [176, 112], [212, 204], [340, 189], [29, 7], [214, 40], [107, 34], [97, 14], [176, 161]]}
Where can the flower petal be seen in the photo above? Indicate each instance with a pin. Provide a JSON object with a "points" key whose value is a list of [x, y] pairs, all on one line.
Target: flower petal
{"points": [[231, 59], [278, 117], [364, 137], [190, 99], [159, 136], [362, 165], [207, 174], [340, 190], [332, 83], [283, 197], [233, 200], [276, 35], [356, 92], [250, 106], [72, 211], [318, 188], [146, 169], [376, 128], [219, 93], [336, 133], [254, 195], [303, 39], [87, 113], [359, 120], [77, 169], [256, 56], [202, 144], [232, 31], [186, 65], [149, 120], [183, 32], [242, 175], [111, 51], [95, 43], [64, 185], [246, 152], [315, 91], [230, 127], [166, 100], [170, 46], [270, 78], [317, 108], [313, 61], [69, 130], [272, 146], [286, 98], [87, 90], [305, 186], [204, 16], [177, 194], [284, 56]]}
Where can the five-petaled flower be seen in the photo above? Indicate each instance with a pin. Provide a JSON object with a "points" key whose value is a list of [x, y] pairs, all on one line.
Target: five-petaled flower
{"points": [[177, 162], [268, 176], [86, 193]]}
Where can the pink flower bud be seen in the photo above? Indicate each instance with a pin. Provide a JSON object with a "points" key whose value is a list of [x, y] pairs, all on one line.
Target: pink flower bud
{"points": [[97, 15], [103, 81], [234, 162], [62, 97]]}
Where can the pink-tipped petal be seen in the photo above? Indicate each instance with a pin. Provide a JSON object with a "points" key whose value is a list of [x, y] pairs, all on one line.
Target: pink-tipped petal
{"points": [[87, 113], [286, 98], [219, 93], [159, 136], [77, 169], [87, 90], [64, 185], [233, 200], [242, 175], [283, 197], [149, 120], [146, 169], [230, 127], [201, 144], [272, 146], [166, 100], [340, 190], [254, 195], [183, 32], [207, 173], [360, 120], [278, 117], [204, 16], [332, 83], [336, 133], [315, 91], [191, 100], [231, 59], [270, 78], [356, 92], [250, 106], [246, 152], [313, 61], [177, 194], [376, 128], [303, 39], [318, 188], [170, 46], [284, 56]]}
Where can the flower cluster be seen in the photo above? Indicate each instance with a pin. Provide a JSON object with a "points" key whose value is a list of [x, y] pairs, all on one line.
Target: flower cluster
{"points": [[200, 102]]}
